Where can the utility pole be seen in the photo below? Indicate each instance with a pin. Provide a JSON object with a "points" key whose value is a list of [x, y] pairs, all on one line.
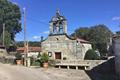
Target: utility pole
{"points": [[25, 43], [24, 9], [3, 34], [26, 59]]}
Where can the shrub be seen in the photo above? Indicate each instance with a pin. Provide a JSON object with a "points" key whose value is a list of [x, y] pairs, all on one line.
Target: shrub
{"points": [[18, 56], [44, 57], [91, 55]]}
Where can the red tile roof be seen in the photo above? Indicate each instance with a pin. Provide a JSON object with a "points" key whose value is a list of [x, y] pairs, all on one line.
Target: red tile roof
{"points": [[82, 40], [30, 49], [1, 46]]}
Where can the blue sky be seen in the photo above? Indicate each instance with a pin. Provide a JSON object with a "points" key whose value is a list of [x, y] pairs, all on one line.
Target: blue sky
{"points": [[79, 13]]}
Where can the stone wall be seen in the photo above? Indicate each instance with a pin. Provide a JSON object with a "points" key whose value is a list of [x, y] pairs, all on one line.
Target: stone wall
{"points": [[3, 52], [116, 50], [104, 70], [69, 48], [59, 44], [90, 63]]}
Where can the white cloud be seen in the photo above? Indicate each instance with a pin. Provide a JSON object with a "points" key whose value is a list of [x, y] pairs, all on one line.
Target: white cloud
{"points": [[36, 37], [116, 18], [46, 32]]}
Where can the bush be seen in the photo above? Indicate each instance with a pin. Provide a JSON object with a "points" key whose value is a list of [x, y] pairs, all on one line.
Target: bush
{"points": [[35, 61], [18, 56], [44, 57], [91, 55]]}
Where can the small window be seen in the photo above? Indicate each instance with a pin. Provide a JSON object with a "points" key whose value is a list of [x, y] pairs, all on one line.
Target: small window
{"points": [[50, 54]]}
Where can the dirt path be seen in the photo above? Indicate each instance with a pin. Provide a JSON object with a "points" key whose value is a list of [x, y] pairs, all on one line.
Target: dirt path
{"points": [[13, 72]]}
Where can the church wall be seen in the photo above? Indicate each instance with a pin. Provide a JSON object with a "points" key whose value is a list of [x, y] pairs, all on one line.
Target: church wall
{"points": [[69, 48], [59, 44], [86, 47]]}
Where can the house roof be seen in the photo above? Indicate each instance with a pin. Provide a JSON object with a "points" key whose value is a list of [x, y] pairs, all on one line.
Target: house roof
{"points": [[34, 49], [30, 49], [1, 46], [82, 40]]}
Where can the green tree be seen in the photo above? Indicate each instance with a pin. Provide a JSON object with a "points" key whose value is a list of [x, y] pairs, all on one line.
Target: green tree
{"points": [[98, 35], [81, 32], [11, 16], [91, 55], [7, 40], [20, 43], [31, 43], [44, 57], [118, 32]]}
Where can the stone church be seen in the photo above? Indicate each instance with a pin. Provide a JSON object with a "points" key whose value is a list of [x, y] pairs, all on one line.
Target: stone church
{"points": [[59, 45]]}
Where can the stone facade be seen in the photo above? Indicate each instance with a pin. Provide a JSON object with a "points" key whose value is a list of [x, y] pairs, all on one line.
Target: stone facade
{"points": [[116, 51], [59, 45], [3, 51]]}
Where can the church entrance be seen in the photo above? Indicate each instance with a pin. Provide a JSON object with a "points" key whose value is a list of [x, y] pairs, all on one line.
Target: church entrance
{"points": [[57, 55]]}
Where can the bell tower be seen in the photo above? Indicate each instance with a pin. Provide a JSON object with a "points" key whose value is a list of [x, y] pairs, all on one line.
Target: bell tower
{"points": [[58, 24]]}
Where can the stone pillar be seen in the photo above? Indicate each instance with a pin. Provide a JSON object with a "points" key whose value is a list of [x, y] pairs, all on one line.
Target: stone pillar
{"points": [[59, 67], [51, 27], [57, 27], [28, 62], [76, 67], [64, 26], [68, 67]]}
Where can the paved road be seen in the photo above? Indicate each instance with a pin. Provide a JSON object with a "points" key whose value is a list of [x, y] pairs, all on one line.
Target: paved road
{"points": [[10, 72], [13, 72]]}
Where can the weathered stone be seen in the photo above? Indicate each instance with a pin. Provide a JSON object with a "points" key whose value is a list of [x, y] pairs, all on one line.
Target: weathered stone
{"points": [[59, 45], [116, 50]]}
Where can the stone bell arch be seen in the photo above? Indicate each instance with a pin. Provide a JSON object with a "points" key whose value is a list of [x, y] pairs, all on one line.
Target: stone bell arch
{"points": [[58, 24]]}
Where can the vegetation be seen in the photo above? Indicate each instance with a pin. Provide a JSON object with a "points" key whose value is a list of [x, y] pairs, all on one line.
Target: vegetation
{"points": [[118, 32], [44, 57], [10, 16], [7, 40], [34, 62], [98, 35], [18, 56], [91, 55], [31, 43]]}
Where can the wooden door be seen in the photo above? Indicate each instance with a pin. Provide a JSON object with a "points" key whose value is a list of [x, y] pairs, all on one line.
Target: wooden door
{"points": [[57, 55]]}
